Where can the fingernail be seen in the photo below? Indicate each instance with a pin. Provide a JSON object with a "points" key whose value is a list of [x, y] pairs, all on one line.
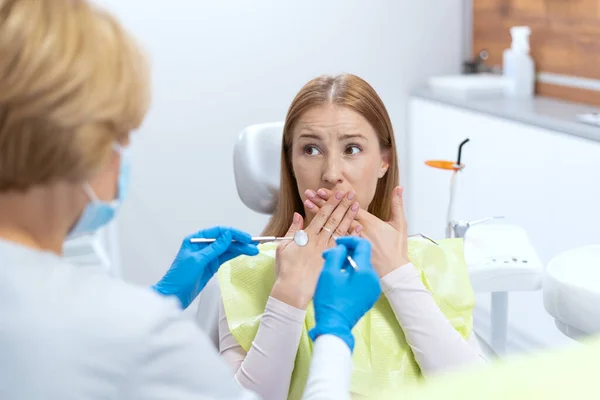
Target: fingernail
{"points": [[310, 194], [358, 229], [400, 191], [309, 204], [296, 218], [355, 207], [351, 195], [322, 192], [339, 195]]}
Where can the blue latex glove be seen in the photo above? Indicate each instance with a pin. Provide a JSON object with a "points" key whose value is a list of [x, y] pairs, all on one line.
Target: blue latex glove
{"points": [[196, 263], [343, 295]]}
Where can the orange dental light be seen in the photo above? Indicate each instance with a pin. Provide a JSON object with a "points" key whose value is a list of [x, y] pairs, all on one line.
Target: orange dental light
{"points": [[449, 165], [440, 164]]}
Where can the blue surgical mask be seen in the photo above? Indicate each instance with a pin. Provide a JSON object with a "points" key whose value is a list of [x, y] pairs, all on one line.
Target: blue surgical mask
{"points": [[98, 213]]}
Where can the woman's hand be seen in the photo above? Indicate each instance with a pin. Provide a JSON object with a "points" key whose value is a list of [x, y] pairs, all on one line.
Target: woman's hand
{"points": [[298, 268], [389, 240]]}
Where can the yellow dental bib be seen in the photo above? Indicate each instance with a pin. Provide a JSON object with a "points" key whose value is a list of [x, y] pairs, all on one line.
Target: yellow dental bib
{"points": [[383, 360]]}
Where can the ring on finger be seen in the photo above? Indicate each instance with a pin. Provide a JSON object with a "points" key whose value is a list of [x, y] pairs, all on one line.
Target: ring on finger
{"points": [[327, 229]]}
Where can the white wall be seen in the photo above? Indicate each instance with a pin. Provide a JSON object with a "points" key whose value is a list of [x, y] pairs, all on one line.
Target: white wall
{"points": [[219, 66], [544, 181]]}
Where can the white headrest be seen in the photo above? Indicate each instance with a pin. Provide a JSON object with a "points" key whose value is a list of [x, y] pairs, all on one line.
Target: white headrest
{"points": [[256, 164]]}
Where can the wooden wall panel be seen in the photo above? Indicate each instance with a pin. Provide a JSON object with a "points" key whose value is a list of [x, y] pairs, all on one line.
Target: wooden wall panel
{"points": [[565, 34], [571, 94]]}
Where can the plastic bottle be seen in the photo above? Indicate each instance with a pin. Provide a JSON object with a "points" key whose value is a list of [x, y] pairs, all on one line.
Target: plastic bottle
{"points": [[518, 65]]}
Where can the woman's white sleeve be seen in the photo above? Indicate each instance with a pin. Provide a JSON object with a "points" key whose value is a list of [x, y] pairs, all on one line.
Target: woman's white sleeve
{"points": [[267, 367], [436, 345]]}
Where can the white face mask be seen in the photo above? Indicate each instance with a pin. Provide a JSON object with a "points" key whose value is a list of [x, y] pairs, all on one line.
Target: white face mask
{"points": [[98, 213]]}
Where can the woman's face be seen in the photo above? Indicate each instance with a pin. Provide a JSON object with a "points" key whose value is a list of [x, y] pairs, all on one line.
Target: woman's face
{"points": [[336, 148]]}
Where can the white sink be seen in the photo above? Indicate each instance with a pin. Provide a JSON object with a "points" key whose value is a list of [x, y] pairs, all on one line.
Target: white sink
{"points": [[571, 290], [477, 85]]}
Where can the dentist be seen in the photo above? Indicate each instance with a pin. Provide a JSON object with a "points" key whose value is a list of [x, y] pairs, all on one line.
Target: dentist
{"points": [[73, 85]]}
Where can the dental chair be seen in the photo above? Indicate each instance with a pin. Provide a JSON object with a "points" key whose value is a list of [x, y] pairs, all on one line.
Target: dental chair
{"points": [[256, 160], [256, 164]]}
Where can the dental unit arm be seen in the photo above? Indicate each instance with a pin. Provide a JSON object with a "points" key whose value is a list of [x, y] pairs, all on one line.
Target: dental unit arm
{"points": [[500, 257]]}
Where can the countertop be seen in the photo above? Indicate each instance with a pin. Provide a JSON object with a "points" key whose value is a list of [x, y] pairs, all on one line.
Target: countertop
{"points": [[548, 113]]}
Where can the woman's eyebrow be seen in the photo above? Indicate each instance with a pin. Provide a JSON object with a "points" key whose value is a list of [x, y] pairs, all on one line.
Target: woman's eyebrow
{"points": [[347, 136], [309, 136], [343, 136]]}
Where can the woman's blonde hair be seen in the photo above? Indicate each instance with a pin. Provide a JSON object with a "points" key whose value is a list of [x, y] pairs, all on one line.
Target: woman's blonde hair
{"points": [[72, 82], [346, 91]]}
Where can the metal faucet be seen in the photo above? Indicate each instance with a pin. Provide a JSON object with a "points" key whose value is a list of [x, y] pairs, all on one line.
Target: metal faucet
{"points": [[477, 65]]}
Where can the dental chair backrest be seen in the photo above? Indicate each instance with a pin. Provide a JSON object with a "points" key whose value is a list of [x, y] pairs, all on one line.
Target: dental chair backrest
{"points": [[256, 165]]}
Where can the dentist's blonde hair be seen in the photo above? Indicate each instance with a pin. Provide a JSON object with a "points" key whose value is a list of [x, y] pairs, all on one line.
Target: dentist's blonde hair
{"points": [[72, 82], [345, 90]]}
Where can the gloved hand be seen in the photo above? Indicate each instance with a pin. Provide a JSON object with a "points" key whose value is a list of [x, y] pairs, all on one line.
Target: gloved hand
{"points": [[344, 295], [196, 263]]}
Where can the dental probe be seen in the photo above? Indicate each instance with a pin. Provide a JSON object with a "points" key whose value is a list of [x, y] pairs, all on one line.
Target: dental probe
{"points": [[300, 238]]}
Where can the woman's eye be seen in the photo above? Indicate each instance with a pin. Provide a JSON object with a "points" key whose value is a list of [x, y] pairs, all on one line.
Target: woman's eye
{"points": [[351, 150], [311, 151]]}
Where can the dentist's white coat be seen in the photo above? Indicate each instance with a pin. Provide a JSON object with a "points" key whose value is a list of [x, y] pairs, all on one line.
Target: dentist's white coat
{"points": [[67, 332]]}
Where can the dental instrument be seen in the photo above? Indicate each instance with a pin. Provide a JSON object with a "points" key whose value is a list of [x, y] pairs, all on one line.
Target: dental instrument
{"points": [[456, 228], [300, 238], [424, 237]]}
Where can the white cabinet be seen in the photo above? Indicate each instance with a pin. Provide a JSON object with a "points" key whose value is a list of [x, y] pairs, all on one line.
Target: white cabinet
{"points": [[544, 181]]}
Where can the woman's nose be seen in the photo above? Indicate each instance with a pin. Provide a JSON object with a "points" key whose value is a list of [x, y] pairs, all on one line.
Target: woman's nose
{"points": [[332, 173]]}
